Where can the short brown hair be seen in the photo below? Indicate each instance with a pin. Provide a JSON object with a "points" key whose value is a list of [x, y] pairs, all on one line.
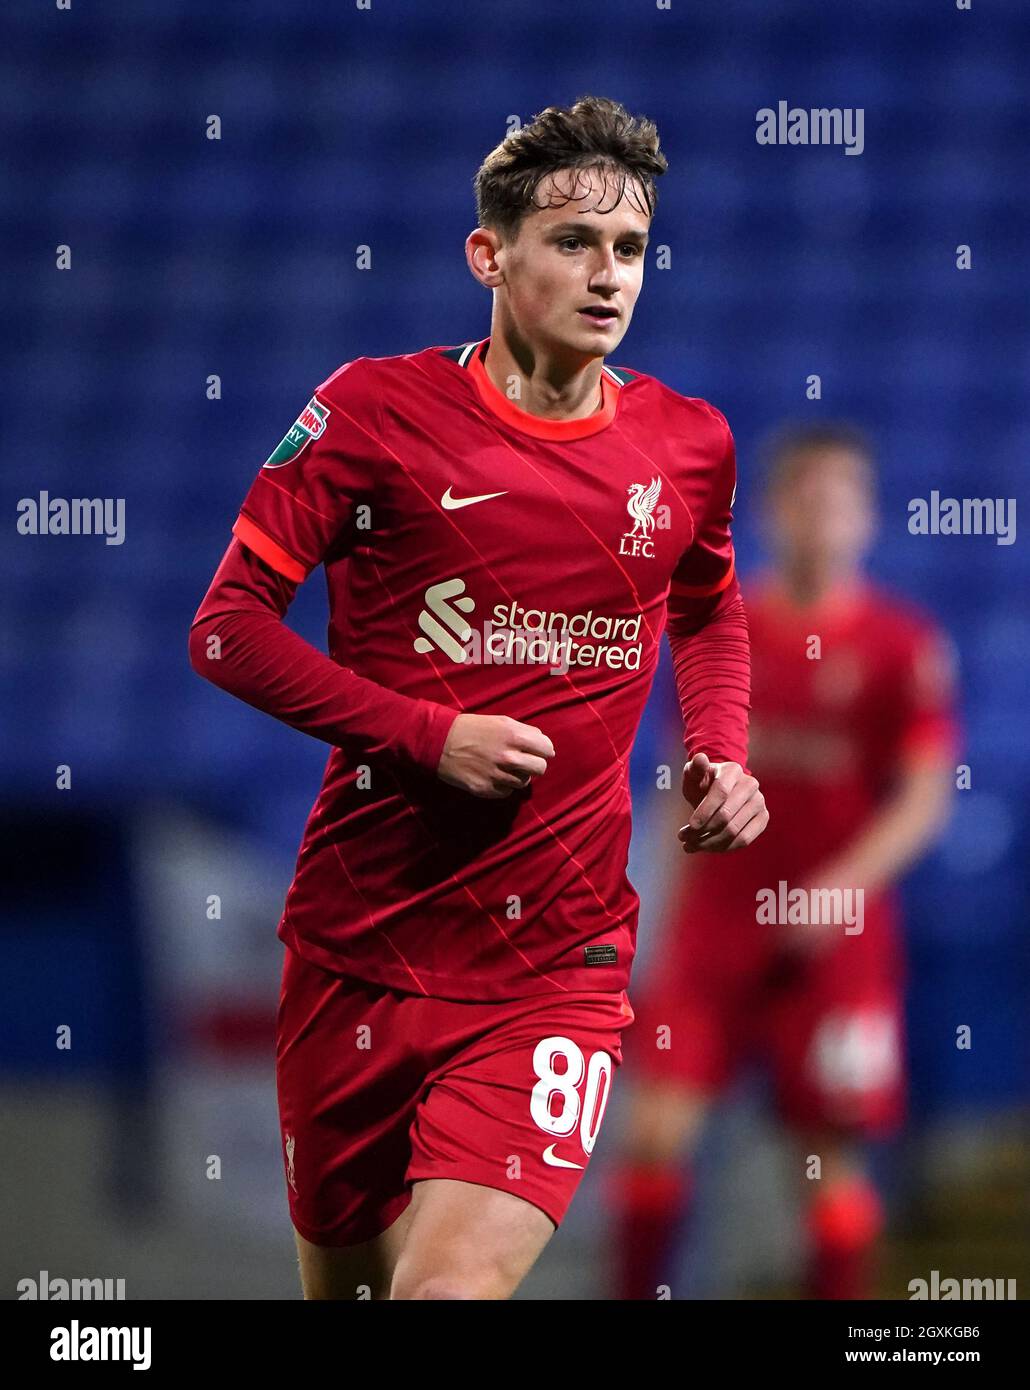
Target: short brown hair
{"points": [[789, 450], [595, 133]]}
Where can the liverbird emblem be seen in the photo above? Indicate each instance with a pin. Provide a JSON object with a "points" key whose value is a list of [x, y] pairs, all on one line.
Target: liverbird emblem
{"points": [[641, 505]]}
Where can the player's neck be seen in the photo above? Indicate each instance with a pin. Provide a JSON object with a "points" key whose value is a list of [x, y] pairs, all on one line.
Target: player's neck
{"points": [[547, 387], [806, 587]]}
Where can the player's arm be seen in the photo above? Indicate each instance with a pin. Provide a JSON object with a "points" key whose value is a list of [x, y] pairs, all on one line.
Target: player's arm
{"points": [[300, 506], [919, 750], [910, 820], [239, 642], [708, 636]]}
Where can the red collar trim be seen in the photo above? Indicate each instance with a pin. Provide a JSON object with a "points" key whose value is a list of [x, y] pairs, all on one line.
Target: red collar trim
{"points": [[499, 404]]}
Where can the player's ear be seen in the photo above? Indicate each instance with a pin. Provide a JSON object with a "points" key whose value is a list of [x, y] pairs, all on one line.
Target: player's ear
{"points": [[481, 252]]}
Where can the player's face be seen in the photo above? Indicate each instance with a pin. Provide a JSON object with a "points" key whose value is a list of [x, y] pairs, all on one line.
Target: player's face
{"points": [[570, 258], [824, 517]]}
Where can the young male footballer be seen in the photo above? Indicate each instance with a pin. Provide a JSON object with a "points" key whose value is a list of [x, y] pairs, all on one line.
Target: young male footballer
{"points": [[506, 528]]}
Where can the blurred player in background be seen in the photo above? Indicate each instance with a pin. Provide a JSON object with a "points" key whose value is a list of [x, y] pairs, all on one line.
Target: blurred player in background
{"points": [[853, 737]]}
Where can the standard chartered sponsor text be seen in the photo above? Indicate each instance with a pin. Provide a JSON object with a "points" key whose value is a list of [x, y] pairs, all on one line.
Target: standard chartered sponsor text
{"points": [[556, 639]]}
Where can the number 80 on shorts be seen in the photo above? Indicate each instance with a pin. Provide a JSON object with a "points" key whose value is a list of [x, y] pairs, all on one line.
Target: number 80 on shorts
{"points": [[588, 1111]]}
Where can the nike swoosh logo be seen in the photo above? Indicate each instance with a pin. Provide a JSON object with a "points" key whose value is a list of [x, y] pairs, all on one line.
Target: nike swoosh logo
{"points": [[551, 1157], [451, 504]]}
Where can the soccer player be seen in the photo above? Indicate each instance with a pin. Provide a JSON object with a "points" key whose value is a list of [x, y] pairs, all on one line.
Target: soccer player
{"points": [[852, 732], [506, 528]]}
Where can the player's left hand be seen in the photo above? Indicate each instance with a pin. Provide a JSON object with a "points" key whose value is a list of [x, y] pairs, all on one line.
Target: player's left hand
{"points": [[727, 808], [814, 939]]}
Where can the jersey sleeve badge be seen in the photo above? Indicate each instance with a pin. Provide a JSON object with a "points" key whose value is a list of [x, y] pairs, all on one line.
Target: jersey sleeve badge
{"points": [[310, 424]]}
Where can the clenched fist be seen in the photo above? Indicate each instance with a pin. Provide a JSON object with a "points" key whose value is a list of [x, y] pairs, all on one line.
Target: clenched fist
{"points": [[728, 809], [490, 755]]}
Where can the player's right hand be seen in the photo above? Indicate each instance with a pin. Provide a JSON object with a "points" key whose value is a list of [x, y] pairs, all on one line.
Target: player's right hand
{"points": [[491, 756]]}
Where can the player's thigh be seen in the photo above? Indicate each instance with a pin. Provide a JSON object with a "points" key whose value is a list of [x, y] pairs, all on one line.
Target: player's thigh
{"points": [[352, 1271], [502, 1137], [663, 1119], [838, 1064], [468, 1241]]}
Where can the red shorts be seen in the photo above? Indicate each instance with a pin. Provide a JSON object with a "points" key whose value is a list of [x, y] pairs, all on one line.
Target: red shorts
{"points": [[830, 1031], [379, 1089]]}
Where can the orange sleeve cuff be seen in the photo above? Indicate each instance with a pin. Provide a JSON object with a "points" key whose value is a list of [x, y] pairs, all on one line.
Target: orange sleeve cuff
{"points": [[269, 550]]}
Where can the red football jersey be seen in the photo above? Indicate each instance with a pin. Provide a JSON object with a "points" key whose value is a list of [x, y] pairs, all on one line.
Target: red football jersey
{"points": [[480, 559], [842, 692]]}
